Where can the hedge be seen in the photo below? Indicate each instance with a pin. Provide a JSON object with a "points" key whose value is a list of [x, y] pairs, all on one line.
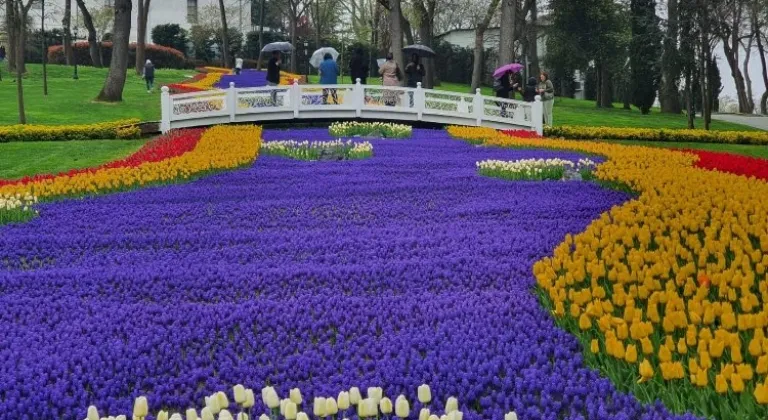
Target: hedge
{"points": [[123, 129], [650, 134], [162, 57]]}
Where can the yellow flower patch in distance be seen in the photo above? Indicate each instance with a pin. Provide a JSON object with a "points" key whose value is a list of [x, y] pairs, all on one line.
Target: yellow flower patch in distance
{"points": [[682, 267]]}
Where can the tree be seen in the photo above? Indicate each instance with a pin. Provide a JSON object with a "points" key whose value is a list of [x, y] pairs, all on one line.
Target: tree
{"points": [[729, 15], [17, 29], [644, 52], [224, 35], [482, 26], [425, 11], [171, 35], [323, 13], [669, 95], [396, 31], [507, 32], [758, 11], [66, 23], [294, 11], [202, 42], [113, 86], [689, 39], [716, 85], [141, 34], [93, 42]]}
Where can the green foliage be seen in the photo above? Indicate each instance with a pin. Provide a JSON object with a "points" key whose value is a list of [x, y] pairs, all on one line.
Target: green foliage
{"points": [[171, 35], [202, 43], [644, 54], [33, 51]]}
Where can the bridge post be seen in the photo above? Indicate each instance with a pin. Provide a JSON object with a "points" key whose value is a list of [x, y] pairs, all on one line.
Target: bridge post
{"points": [[295, 97], [232, 101], [537, 112], [479, 107], [419, 100], [165, 109], [359, 98]]}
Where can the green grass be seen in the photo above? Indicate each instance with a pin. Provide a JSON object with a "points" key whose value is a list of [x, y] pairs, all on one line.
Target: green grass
{"points": [[31, 158], [72, 101], [757, 151]]}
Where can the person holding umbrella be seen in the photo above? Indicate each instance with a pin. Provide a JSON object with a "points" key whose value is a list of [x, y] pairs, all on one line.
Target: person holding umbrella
{"points": [[415, 72], [329, 75], [273, 73]]}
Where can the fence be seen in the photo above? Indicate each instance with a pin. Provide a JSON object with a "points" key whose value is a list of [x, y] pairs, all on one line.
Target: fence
{"points": [[346, 102]]}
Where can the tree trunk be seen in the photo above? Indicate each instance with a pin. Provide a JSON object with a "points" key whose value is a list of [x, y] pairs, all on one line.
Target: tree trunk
{"points": [[606, 101], [731, 47], [44, 48], [21, 31], [66, 23], [507, 31], [761, 52], [747, 79], [703, 80], [225, 36], [10, 24], [113, 86], [669, 96], [405, 24], [533, 39], [598, 84], [294, 22], [477, 66], [93, 42], [261, 32], [141, 35], [396, 32], [689, 100], [426, 21]]}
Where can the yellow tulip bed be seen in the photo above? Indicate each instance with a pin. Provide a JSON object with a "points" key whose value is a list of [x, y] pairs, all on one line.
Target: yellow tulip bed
{"points": [[221, 147], [123, 129], [666, 292], [650, 134]]}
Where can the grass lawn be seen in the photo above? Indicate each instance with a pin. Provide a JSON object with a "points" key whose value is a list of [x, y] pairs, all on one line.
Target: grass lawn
{"points": [[737, 149], [18, 159], [72, 101]]}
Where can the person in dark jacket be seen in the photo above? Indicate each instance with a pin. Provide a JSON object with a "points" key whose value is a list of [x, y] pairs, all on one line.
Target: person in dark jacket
{"points": [[149, 75], [530, 90], [516, 83], [415, 73], [503, 87], [357, 67], [273, 74]]}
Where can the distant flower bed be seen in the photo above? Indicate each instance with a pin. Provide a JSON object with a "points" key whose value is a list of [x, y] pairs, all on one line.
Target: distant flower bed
{"points": [[123, 129], [726, 162], [370, 129], [534, 169], [318, 150], [650, 134]]}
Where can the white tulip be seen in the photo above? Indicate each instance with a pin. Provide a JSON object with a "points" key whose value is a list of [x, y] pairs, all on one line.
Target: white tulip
{"points": [[402, 408], [510, 416], [455, 415], [376, 393], [371, 407], [176, 416], [302, 416], [318, 408], [424, 414], [264, 392], [225, 415], [120, 417], [434, 417], [331, 408], [238, 391], [140, 407], [242, 416], [290, 410], [386, 405], [206, 413], [451, 405], [444, 417], [343, 400], [425, 394], [162, 415], [223, 400], [212, 403], [249, 399], [264, 417], [272, 400], [295, 396], [191, 414], [93, 413], [282, 405], [354, 395]]}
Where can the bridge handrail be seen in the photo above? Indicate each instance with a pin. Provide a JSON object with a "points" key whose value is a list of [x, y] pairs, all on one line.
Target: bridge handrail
{"points": [[345, 101]]}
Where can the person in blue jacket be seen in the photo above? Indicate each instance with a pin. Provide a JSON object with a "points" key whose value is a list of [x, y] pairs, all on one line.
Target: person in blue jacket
{"points": [[329, 75]]}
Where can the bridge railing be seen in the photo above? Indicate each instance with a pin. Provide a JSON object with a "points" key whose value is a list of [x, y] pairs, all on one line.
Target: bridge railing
{"points": [[344, 102]]}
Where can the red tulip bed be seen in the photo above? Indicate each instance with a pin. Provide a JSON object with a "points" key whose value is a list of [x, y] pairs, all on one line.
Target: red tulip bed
{"points": [[735, 164]]}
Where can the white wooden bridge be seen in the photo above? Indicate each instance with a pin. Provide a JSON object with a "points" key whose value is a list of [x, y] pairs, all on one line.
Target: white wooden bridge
{"points": [[357, 101]]}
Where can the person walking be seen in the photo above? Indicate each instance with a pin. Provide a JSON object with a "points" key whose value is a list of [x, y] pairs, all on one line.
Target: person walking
{"points": [[357, 67], [149, 75], [415, 74], [547, 91], [238, 65], [329, 75], [502, 86], [390, 76], [2, 60], [273, 74], [516, 83]]}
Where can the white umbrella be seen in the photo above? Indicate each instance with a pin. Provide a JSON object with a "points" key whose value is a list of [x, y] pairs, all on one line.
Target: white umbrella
{"points": [[319, 55], [381, 61]]}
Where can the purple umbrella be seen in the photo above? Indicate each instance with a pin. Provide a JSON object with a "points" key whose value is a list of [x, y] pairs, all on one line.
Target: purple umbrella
{"points": [[512, 67]]}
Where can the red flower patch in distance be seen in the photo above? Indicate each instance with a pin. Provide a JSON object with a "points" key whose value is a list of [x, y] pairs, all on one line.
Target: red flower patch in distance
{"points": [[734, 164]]}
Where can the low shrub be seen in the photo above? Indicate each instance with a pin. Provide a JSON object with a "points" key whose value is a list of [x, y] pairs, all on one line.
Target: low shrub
{"points": [[123, 129], [162, 57], [649, 134]]}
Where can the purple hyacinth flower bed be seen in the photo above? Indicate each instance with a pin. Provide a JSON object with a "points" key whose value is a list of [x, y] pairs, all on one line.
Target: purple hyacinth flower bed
{"points": [[246, 79], [402, 269]]}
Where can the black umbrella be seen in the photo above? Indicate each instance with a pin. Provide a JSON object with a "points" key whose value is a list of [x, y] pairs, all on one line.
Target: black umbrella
{"points": [[285, 47], [420, 50]]}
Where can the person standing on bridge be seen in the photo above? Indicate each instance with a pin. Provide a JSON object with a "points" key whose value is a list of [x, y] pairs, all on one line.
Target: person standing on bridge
{"points": [[273, 74], [415, 72], [390, 76], [357, 67], [547, 91], [329, 75]]}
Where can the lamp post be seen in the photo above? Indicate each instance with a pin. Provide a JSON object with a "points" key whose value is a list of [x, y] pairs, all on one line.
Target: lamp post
{"points": [[75, 76]]}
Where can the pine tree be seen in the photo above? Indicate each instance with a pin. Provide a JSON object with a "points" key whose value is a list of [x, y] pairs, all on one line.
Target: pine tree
{"points": [[645, 54]]}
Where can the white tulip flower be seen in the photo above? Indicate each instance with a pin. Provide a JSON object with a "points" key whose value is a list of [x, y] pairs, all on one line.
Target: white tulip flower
{"points": [[222, 399], [402, 408], [264, 417], [290, 410], [376, 393], [225, 415], [249, 399], [302, 416], [191, 414], [386, 405], [343, 400], [238, 391], [162, 415], [510, 416], [319, 407], [176, 416], [93, 413], [206, 413], [354, 395], [331, 408], [424, 414], [140, 407], [272, 400], [425, 394], [451, 405], [295, 396]]}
